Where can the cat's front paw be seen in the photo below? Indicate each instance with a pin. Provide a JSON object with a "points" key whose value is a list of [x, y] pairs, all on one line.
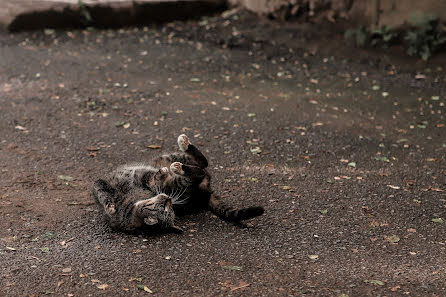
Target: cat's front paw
{"points": [[164, 170], [183, 142], [177, 168]]}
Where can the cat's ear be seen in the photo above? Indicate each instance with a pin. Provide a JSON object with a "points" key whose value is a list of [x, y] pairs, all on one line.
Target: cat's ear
{"points": [[150, 221]]}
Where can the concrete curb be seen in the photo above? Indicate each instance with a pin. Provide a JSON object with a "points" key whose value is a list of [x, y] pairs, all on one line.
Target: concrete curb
{"points": [[38, 14]]}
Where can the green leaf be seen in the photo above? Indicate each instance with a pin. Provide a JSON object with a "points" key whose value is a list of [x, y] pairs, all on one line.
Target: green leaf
{"points": [[352, 164], [48, 235], [251, 179], [437, 220], [422, 125], [45, 250], [382, 158], [256, 150], [120, 123], [65, 177], [195, 79], [425, 53], [251, 114], [392, 238], [232, 267], [144, 288], [323, 211], [375, 282]]}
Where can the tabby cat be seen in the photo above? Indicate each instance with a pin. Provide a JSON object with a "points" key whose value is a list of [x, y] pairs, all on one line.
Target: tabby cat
{"points": [[141, 197]]}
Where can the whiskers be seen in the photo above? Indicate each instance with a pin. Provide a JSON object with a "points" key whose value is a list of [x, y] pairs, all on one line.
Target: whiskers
{"points": [[177, 196], [159, 188]]}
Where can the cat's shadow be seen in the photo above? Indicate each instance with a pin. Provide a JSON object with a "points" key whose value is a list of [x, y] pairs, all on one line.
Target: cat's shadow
{"points": [[163, 231]]}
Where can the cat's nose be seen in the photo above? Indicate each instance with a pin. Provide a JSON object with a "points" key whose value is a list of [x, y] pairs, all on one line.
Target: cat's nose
{"points": [[165, 199]]}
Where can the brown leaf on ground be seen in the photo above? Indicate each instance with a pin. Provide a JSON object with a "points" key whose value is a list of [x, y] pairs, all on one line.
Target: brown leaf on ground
{"points": [[103, 286], [228, 284]]}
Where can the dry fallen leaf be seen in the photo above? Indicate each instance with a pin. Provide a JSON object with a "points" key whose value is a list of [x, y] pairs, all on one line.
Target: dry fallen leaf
{"points": [[154, 146], [392, 238], [242, 284], [144, 288], [375, 282], [103, 286]]}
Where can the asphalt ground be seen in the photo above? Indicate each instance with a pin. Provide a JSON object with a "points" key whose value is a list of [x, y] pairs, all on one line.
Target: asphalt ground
{"points": [[344, 149]]}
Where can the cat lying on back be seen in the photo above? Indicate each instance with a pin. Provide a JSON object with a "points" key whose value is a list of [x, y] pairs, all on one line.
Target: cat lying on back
{"points": [[142, 197]]}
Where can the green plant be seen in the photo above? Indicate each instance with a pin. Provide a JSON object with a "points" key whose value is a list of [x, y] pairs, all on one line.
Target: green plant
{"points": [[360, 34], [423, 39], [383, 36], [86, 18]]}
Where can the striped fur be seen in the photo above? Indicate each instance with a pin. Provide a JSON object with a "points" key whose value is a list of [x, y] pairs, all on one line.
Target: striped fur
{"points": [[141, 197]]}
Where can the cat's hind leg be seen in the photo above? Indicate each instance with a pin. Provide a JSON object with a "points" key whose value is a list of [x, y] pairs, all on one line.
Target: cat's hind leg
{"points": [[190, 149]]}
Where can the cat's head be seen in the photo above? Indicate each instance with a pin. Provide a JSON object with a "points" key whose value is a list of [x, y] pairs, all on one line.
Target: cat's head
{"points": [[158, 211]]}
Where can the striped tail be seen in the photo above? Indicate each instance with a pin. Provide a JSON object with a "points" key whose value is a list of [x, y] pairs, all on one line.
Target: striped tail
{"points": [[231, 214]]}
